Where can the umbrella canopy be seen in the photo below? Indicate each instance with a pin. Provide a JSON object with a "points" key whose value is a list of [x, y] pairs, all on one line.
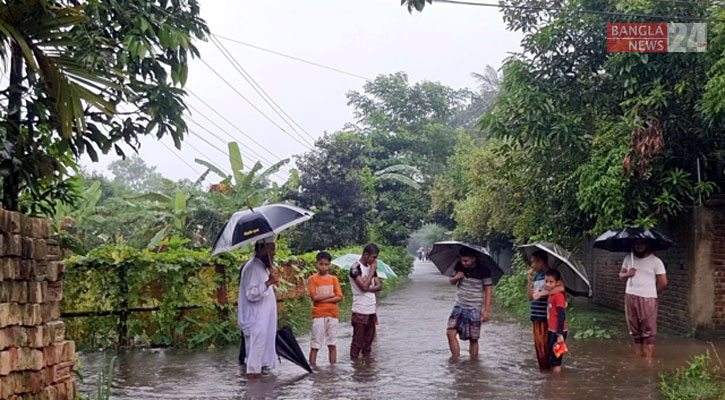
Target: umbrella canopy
{"points": [[572, 271], [622, 240], [345, 262], [260, 223], [288, 348], [445, 256]]}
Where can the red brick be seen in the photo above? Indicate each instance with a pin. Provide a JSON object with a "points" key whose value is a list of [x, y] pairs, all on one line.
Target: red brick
{"points": [[50, 311], [12, 245], [54, 291], [49, 355], [56, 330], [33, 315], [62, 392]]}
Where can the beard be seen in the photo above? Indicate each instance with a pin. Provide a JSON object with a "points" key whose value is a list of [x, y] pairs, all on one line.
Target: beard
{"points": [[640, 254]]}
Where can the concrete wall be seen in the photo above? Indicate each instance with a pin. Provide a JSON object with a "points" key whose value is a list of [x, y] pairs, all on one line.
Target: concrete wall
{"points": [[35, 359]]}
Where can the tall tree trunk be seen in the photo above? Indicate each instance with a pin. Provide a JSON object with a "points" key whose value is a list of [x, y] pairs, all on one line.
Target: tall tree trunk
{"points": [[11, 183]]}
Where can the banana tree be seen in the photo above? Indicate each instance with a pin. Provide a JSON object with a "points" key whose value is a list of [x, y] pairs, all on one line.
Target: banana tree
{"points": [[401, 173], [171, 211], [250, 188]]}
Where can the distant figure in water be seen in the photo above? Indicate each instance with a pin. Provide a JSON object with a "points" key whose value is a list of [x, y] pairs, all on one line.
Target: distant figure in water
{"points": [[646, 277], [474, 294]]}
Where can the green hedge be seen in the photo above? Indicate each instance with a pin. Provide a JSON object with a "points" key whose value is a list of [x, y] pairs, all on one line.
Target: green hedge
{"points": [[179, 277]]}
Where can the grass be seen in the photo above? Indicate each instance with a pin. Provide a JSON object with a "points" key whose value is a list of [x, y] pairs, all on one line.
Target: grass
{"points": [[701, 378]]}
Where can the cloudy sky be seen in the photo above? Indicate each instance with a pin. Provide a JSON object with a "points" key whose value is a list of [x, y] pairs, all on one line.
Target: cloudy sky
{"points": [[445, 43]]}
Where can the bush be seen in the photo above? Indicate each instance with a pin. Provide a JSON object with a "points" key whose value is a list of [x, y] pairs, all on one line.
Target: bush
{"points": [[179, 277], [699, 379]]}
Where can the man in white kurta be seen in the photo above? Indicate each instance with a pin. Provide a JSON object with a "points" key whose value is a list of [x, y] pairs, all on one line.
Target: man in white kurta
{"points": [[257, 314]]}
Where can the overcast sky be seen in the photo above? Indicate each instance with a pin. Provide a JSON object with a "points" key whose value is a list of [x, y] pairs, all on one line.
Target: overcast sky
{"points": [[445, 43]]}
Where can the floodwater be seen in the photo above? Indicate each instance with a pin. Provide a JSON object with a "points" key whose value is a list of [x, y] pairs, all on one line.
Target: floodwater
{"points": [[410, 360]]}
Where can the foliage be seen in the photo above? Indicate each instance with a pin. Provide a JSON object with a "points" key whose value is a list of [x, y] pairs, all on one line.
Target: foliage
{"points": [[426, 236], [701, 378], [579, 140], [70, 64], [171, 279], [372, 181], [331, 185], [179, 277], [241, 189], [136, 174]]}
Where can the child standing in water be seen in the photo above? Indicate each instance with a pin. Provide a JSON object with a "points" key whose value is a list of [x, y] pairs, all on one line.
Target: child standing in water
{"points": [[556, 318], [536, 285]]}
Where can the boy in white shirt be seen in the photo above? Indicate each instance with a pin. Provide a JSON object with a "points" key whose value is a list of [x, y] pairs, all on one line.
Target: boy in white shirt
{"points": [[365, 284]]}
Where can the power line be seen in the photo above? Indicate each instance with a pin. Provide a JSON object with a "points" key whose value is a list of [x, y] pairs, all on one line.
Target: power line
{"points": [[218, 138], [294, 58], [259, 156], [179, 157], [581, 11], [258, 88], [230, 123], [305, 145]]}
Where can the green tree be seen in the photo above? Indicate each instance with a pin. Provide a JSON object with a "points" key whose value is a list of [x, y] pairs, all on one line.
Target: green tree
{"points": [[337, 186], [136, 174], [71, 64]]}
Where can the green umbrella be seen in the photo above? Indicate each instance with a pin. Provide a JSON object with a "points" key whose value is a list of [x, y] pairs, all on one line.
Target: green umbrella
{"points": [[346, 262]]}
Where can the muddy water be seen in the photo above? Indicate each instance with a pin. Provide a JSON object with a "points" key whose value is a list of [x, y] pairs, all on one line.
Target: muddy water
{"points": [[410, 361]]}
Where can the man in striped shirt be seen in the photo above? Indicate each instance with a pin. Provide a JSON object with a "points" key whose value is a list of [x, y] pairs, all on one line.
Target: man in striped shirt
{"points": [[474, 295]]}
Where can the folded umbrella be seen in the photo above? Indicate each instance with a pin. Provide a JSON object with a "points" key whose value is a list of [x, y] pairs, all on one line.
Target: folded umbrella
{"points": [[622, 240], [445, 256], [288, 348], [572, 271], [248, 226], [345, 262]]}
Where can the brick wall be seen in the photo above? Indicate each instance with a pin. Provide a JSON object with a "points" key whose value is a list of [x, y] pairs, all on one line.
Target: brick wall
{"points": [[608, 290], [35, 359], [718, 263]]}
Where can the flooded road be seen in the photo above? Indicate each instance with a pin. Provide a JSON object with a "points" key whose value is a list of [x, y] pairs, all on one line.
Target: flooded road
{"points": [[410, 361]]}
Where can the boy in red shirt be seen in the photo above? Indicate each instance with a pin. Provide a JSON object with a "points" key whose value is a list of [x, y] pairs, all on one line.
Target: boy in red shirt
{"points": [[325, 293], [556, 317]]}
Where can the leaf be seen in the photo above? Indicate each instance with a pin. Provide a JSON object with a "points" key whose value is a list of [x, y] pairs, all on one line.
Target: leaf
{"points": [[211, 167], [235, 159]]}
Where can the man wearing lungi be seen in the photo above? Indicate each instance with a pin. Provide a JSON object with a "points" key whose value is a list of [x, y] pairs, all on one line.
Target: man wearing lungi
{"points": [[646, 277]]}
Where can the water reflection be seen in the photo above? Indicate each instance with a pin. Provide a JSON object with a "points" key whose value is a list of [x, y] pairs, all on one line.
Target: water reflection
{"points": [[410, 361]]}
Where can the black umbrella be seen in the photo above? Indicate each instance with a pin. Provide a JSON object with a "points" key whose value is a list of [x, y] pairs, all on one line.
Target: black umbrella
{"points": [[255, 224], [572, 271], [622, 240], [287, 347], [445, 256]]}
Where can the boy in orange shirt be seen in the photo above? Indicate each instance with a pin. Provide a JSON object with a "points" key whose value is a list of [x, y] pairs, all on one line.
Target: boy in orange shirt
{"points": [[325, 293]]}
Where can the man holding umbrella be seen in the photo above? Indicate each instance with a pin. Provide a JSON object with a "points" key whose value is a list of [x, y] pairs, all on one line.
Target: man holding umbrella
{"points": [[646, 277], [258, 308]]}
